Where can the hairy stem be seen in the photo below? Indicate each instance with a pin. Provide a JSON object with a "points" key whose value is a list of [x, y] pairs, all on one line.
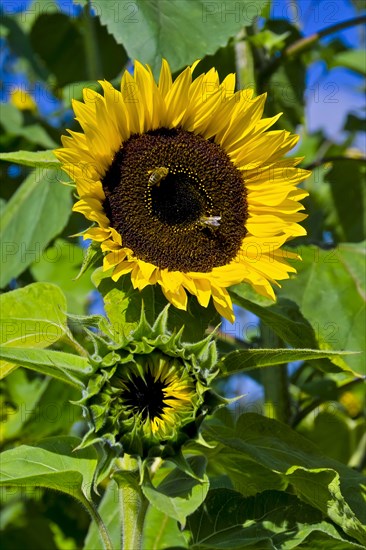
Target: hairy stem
{"points": [[275, 381], [93, 64], [103, 532], [244, 62], [133, 506], [70, 340]]}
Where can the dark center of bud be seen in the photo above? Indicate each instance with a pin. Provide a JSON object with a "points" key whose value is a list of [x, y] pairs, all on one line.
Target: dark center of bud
{"points": [[144, 396]]}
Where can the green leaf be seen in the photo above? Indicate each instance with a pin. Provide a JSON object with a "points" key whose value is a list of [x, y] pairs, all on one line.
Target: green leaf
{"points": [[91, 256], [246, 477], [148, 29], [43, 159], [22, 395], [346, 211], [322, 488], [11, 117], [34, 215], [283, 317], [244, 360], [60, 264], [328, 485], [351, 59], [20, 45], [69, 368], [326, 537], [53, 412], [35, 133], [109, 510], [266, 521], [52, 464], [31, 316], [271, 41], [355, 124], [285, 92], [359, 4], [123, 308], [179, 494], [48, 33], [161, 532], [12, 122], [286, 86], [195, 320], [75, 91], [335, 433], [41, 407], [330, 292], [59, 41], [2, 206]]}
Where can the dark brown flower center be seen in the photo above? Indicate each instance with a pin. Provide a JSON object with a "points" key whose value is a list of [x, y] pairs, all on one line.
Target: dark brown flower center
{"points": [[177, 200], [145, 396]]}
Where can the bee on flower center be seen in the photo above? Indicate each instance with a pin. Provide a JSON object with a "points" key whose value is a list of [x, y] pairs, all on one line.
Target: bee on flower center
{"points": [[157, 175], [213, 222]]}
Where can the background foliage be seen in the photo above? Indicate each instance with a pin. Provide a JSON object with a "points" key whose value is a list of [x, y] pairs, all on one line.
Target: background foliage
{"points": [[287, 469]]}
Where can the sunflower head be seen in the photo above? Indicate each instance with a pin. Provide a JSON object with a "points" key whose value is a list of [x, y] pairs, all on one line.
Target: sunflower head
{"points": [[149, 395], [185, 185]]}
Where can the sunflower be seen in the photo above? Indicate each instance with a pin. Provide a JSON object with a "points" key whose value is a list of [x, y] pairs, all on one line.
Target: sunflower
{"points": [[185, 185], [148, 394]]}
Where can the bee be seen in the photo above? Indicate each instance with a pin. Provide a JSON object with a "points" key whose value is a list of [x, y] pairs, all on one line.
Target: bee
{"points": [[157, 175], [210, 221]]}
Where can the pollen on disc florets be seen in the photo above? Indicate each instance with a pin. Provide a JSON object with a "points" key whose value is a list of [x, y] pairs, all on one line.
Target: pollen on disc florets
{"points": [[161, 189]]}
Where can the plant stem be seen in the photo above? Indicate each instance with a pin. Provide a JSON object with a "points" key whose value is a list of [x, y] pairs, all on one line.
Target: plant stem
{"points": [[305, 43], [319, 400], [93, 64], [133, 506], [358, 459], [275, 382], [244, 62], [104, 535], [70, 340]]}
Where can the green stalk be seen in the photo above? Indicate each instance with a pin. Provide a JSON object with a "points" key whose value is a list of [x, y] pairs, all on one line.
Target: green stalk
{"points": [[103, 533], [133, 505], [304, 44], [307, 42], [70, 340], [93, 63], [244, 62], [317, 402], [275, 381]]}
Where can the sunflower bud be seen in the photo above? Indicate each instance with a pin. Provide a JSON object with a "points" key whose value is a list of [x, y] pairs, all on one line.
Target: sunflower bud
{"points": [[149, 396]]}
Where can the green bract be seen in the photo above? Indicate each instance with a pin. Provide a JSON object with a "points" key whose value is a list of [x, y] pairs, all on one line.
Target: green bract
{"points": [[149, 394]]}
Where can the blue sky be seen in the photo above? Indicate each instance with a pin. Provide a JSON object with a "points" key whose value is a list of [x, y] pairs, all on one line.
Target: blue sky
{"points": [[332, 94]]}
